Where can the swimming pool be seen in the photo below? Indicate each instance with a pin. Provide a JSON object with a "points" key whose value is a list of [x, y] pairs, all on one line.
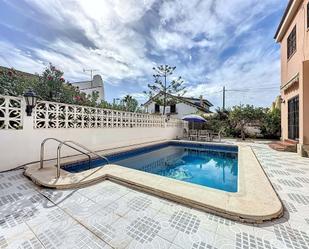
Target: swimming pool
{"points": [[214, 166]]}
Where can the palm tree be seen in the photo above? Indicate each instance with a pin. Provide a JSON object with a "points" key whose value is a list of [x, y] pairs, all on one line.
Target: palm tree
{"points": [[130, 103]]}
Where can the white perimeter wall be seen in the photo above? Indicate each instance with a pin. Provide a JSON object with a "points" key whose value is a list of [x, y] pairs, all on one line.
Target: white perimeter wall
{"points": [[18, 147]]}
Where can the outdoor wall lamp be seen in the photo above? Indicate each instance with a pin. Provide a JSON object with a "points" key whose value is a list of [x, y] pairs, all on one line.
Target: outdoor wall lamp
{"points": [[31, 99]]}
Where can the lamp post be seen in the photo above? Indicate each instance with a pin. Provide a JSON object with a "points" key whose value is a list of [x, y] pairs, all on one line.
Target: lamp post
{"points": [[31, 99]]}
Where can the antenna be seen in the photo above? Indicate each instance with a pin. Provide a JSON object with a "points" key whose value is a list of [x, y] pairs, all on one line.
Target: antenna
{"points": [[91, 72]]}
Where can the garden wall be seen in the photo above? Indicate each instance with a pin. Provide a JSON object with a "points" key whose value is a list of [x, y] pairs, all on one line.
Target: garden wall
{"points": [[95, 128]]}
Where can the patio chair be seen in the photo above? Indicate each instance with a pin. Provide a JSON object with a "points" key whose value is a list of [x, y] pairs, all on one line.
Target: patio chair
{"points": [[204, 135], [193, 134], [185, 134], [217, 135]]}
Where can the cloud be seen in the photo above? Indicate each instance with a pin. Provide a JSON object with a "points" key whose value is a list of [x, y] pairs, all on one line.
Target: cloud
{"points": [[212, 43]]}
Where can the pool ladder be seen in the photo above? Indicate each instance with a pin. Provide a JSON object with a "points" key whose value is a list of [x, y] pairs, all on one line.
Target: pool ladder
{"points": [[71, 144]]}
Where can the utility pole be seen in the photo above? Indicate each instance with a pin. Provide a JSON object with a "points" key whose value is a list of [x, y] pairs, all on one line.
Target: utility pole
{"points": [[91, 72], [223, 99]]}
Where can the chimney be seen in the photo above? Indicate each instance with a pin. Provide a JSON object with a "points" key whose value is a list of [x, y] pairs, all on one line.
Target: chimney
{"points": [[201, 101]]}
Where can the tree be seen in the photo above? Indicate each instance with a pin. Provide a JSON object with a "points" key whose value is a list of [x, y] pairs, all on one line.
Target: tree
{"points": [[161, 84], [130, 103], [271, 124], [220, 122], [49, 86], [242, 115], [14, 84]]}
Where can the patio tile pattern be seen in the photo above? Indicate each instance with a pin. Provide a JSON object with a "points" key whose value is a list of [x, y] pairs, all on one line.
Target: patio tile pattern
{"points": [[109, 215]]}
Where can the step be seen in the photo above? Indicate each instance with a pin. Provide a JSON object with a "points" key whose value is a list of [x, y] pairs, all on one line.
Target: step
{"points": [[283, 146]]}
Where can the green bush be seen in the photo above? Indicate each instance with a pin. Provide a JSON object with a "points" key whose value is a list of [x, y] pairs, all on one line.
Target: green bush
{"points": [[51, 86]]}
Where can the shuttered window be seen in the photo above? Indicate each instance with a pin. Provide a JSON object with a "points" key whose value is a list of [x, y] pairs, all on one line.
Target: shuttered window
{"points": [[157, 108], [173, 108], [292, 43], [308, 15]]}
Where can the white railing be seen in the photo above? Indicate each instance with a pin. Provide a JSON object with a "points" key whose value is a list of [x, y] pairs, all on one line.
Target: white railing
{"points": [[58, 115], [11, 113]]}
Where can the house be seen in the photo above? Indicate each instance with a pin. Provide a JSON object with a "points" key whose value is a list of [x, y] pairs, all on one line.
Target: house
{"points": [[177, 106], [94, 85], [293, 36]]}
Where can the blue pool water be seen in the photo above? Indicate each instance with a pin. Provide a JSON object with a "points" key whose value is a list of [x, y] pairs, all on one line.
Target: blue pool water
{"points": [[207, 165]]}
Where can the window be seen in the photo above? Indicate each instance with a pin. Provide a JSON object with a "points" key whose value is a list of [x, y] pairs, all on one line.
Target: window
{"points": [[173, 108], [293, 118], [308, 15], [292, 43], [157, 108]]}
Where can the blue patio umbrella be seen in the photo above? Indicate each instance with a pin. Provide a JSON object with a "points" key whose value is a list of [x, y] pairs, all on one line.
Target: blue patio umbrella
{"points": [[194, 118]]}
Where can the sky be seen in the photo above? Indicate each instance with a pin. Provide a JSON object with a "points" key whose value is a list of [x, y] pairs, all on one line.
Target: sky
{"points": [[212, 43]]}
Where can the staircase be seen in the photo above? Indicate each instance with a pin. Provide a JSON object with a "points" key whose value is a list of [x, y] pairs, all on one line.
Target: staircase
{"points": [[286, 145]]}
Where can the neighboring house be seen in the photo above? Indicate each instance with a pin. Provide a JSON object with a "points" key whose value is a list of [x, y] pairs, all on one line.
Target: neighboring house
{"points": [[84, 86], [20, 73], [276, 104], [177, 106], [293, 36], [94, 85]]}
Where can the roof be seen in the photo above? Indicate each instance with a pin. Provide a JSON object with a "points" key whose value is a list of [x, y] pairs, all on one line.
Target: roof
{"points": [[20, 73], [185, 100], [283, 17], [290, 10]]}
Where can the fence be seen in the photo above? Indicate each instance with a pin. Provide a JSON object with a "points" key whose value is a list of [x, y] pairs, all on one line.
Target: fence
{"points": [[58, 115], [11, 115], [95, 128]]}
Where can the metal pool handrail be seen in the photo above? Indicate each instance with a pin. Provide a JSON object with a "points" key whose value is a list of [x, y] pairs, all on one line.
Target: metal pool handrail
{"points": [[67, 143], [59, 141], [58, 159]]}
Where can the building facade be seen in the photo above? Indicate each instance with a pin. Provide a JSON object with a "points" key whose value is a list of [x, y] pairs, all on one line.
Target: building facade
{"points": [[94, 85], [293, 36], [177, 106]]}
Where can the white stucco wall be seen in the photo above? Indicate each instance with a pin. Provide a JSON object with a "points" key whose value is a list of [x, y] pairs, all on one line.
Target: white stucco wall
{"points": [[88, 87], [182, 109], [18, 147]]}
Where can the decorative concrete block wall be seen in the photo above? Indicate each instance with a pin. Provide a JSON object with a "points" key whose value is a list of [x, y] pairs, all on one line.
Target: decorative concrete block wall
{"points": [[96, 128]]}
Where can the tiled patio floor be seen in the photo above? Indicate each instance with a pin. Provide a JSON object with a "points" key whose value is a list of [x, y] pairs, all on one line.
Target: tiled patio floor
{"points": [[108, 215]]}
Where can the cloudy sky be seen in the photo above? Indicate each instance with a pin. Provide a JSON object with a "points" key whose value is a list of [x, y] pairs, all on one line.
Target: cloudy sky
{"points": [[213, 43]]}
